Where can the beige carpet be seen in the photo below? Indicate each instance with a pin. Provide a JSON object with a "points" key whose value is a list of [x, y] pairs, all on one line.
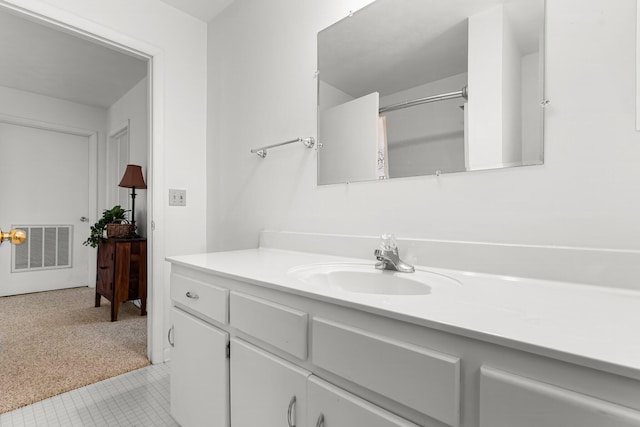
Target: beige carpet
{"points": [[52, 342]]}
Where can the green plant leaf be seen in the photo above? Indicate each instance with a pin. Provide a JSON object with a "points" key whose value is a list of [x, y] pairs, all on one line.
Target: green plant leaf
{"points": [[108, 216]]}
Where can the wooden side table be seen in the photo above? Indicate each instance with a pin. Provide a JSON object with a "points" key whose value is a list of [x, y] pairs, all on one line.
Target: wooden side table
{"points": [[122, 273]]}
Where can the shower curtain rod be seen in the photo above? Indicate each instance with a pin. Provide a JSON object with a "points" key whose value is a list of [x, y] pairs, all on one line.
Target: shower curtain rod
{"points": [[443, 96]]}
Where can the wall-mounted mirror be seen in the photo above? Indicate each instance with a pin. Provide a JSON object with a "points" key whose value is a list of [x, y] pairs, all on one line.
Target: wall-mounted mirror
{"points": [[419, 87]]}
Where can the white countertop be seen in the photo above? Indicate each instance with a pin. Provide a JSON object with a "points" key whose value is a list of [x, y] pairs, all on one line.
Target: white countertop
{"points": [[584, 324]]}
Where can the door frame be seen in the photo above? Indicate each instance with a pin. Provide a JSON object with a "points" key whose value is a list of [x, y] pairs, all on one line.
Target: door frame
{"points": [[92, 136], [52, 16]]}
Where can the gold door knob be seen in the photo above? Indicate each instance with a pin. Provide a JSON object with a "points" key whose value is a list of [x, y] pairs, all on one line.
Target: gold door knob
{"points": [[16, 237]]}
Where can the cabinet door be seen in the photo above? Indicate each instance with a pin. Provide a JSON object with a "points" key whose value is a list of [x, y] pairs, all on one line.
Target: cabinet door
{"points": [[263, 389], [199, 372], [330, 406], [105, 273]]}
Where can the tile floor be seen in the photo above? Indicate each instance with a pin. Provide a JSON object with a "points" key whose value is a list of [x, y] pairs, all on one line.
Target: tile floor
{"points": [[138, 398]]}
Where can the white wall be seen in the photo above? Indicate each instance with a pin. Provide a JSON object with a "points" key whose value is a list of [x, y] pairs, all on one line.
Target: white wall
{"points": [[486, 109], [178, 43], [532, 114], [132, 107], [262, 90], [45, 109], [511, 96], [181, 39], [330, 96], [27, 105]]}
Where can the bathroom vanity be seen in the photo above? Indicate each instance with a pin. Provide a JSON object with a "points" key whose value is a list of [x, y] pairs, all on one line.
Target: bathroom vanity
{"points": [[275, 337]]}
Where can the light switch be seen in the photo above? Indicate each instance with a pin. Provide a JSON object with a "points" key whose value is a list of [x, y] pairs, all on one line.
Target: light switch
{"points": [[177, 197]]}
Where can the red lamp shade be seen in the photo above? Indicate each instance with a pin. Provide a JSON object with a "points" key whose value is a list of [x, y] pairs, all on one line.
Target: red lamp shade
{"points": [[132, 178]]}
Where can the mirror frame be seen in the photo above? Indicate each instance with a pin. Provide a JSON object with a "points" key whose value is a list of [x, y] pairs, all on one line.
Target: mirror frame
{"points": [[540, 97]]}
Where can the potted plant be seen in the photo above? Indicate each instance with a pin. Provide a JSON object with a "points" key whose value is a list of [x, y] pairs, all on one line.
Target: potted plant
{"points": [[115, 215]]}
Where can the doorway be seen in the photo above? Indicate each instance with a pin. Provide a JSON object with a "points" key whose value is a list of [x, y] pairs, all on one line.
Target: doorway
{"points": [[152, 57]]}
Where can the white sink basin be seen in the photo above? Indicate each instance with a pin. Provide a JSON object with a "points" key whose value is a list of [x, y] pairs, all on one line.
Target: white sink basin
{"points": [[366, 279]]}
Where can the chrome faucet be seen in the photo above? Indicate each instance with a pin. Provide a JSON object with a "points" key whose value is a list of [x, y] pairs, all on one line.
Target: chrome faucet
{"points": [[388, 256]]}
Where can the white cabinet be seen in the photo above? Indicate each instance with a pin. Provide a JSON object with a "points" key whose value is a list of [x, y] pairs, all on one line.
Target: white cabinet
{"points": [[199, 372], [348, 367], [209, 301], [266, 391], [330, 406], [275, 324], [420, 378], [508, 400]]}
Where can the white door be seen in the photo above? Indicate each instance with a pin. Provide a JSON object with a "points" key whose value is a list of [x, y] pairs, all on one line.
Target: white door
{"points": [[199, 372], [118, 158], [349, 137], [44, 182], [266, 391]]}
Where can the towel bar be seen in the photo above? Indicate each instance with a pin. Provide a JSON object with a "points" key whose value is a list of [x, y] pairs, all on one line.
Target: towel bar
{"points": [[262, 151]]}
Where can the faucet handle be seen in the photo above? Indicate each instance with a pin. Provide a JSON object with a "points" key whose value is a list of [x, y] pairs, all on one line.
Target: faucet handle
{"points": [[389, 242]]}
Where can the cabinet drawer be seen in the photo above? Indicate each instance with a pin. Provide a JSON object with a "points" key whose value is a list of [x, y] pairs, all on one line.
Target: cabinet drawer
{"points": [[275, 324], [511, 400], [208, 300], [340, 408], [421, 379]]}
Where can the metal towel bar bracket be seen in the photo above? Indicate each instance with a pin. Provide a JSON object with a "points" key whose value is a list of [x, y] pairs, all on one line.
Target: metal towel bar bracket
{"points": [[262, 151]]}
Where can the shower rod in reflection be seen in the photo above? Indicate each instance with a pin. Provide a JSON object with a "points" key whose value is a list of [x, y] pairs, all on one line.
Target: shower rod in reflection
{"points": [[262, 151], [443, 96]]}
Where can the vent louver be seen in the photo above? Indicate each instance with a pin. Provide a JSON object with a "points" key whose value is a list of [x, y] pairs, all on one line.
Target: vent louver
{"points": [[46, 247]]}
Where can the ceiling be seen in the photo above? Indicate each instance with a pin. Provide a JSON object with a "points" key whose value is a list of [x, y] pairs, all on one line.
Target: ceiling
{"points": [[44, 60], [204, 10], [390, 45]]}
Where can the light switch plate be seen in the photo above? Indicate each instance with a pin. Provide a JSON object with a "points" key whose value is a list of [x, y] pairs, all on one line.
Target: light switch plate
{"points": [[177, 197]]}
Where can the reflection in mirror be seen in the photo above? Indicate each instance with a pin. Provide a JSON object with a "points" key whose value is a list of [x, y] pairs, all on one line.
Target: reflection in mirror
{"points": [[415, 87]]}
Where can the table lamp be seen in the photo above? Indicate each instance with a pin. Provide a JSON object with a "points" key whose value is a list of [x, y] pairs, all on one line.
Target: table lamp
{"points": [[133, 179]]}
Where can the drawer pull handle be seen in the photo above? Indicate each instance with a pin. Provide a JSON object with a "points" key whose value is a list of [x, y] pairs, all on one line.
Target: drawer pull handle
{"points": [[192, 295], [292, 403], [170, 337], [103, 267], [320, 422]]}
